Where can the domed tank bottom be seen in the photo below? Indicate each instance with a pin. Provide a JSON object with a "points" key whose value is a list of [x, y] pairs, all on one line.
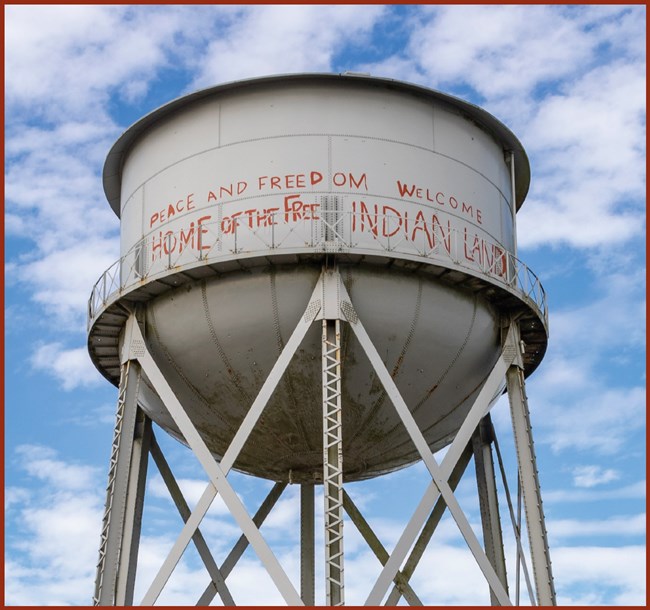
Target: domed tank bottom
{"points": [[217, 339]]}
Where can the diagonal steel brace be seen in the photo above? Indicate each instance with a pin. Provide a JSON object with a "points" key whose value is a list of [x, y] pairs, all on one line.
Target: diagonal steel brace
{"points": [[184, 510], [430, 526], [401, 582], [463, 436], [218, 472], [218, 480], [242, 544]]}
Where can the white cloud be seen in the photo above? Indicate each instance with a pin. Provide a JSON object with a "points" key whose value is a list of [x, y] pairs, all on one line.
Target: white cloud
{"points": [[15, 496], [102, 416], [499, 50], [69, 58], [570, 82], [186, 583], [626, 525], [589, 417], [455, 580], [39, 37], [285, 514], [281, 39], [588, 151], [53, 170], [593, 475], [399, 68], [71, 367], [601, 422], [52, 532], [192, 490], [598, 570], [614, 318], [68, 236], [43, 463], [635, 491], [574, 409], [576, 396]]}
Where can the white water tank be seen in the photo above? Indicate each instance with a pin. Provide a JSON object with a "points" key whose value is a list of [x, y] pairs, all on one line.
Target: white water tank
{"points": [[232, 199]]}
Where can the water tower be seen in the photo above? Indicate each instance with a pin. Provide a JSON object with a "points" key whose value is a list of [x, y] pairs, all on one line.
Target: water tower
{"points": [[318, 284]]}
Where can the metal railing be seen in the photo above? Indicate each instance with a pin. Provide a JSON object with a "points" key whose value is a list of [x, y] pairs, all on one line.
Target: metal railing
{"points": [[257, 234]]}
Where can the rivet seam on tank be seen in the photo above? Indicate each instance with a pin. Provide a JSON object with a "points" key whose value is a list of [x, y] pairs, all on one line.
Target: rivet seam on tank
{"points": [[230, 370], [276, 313], [151, 323]]}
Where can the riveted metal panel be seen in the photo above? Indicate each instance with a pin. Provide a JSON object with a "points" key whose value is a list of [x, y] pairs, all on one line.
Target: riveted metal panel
{"points": [[323, 108]]}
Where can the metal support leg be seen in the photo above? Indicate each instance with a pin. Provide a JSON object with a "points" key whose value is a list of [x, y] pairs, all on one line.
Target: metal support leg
{"points": [[332, 462], [488, 501], [134, 507], [307, 534], [120, 534], [539, 551], [520, 555], [516, 527]]}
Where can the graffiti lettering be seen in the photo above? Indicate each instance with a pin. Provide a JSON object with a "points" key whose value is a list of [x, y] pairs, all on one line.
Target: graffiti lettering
{"points": [[189, 238], [386, 221], [253, 219], [295, 209], [289, 181], [167, 213], [228, 190], [348, 179], [489, 256], [413, 191]]}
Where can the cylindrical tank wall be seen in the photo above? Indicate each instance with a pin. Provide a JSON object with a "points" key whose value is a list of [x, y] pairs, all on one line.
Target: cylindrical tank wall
{"points": [[395, 165]]}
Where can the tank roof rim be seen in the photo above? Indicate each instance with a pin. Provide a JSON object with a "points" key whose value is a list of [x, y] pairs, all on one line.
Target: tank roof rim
{"points": [[113, 164]]}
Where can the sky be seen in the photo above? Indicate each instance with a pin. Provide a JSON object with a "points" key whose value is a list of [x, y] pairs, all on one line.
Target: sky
{"points": [[569, 81]]}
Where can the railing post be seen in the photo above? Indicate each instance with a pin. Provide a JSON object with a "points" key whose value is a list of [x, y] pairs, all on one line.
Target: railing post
{"points": [[104, 288]]}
